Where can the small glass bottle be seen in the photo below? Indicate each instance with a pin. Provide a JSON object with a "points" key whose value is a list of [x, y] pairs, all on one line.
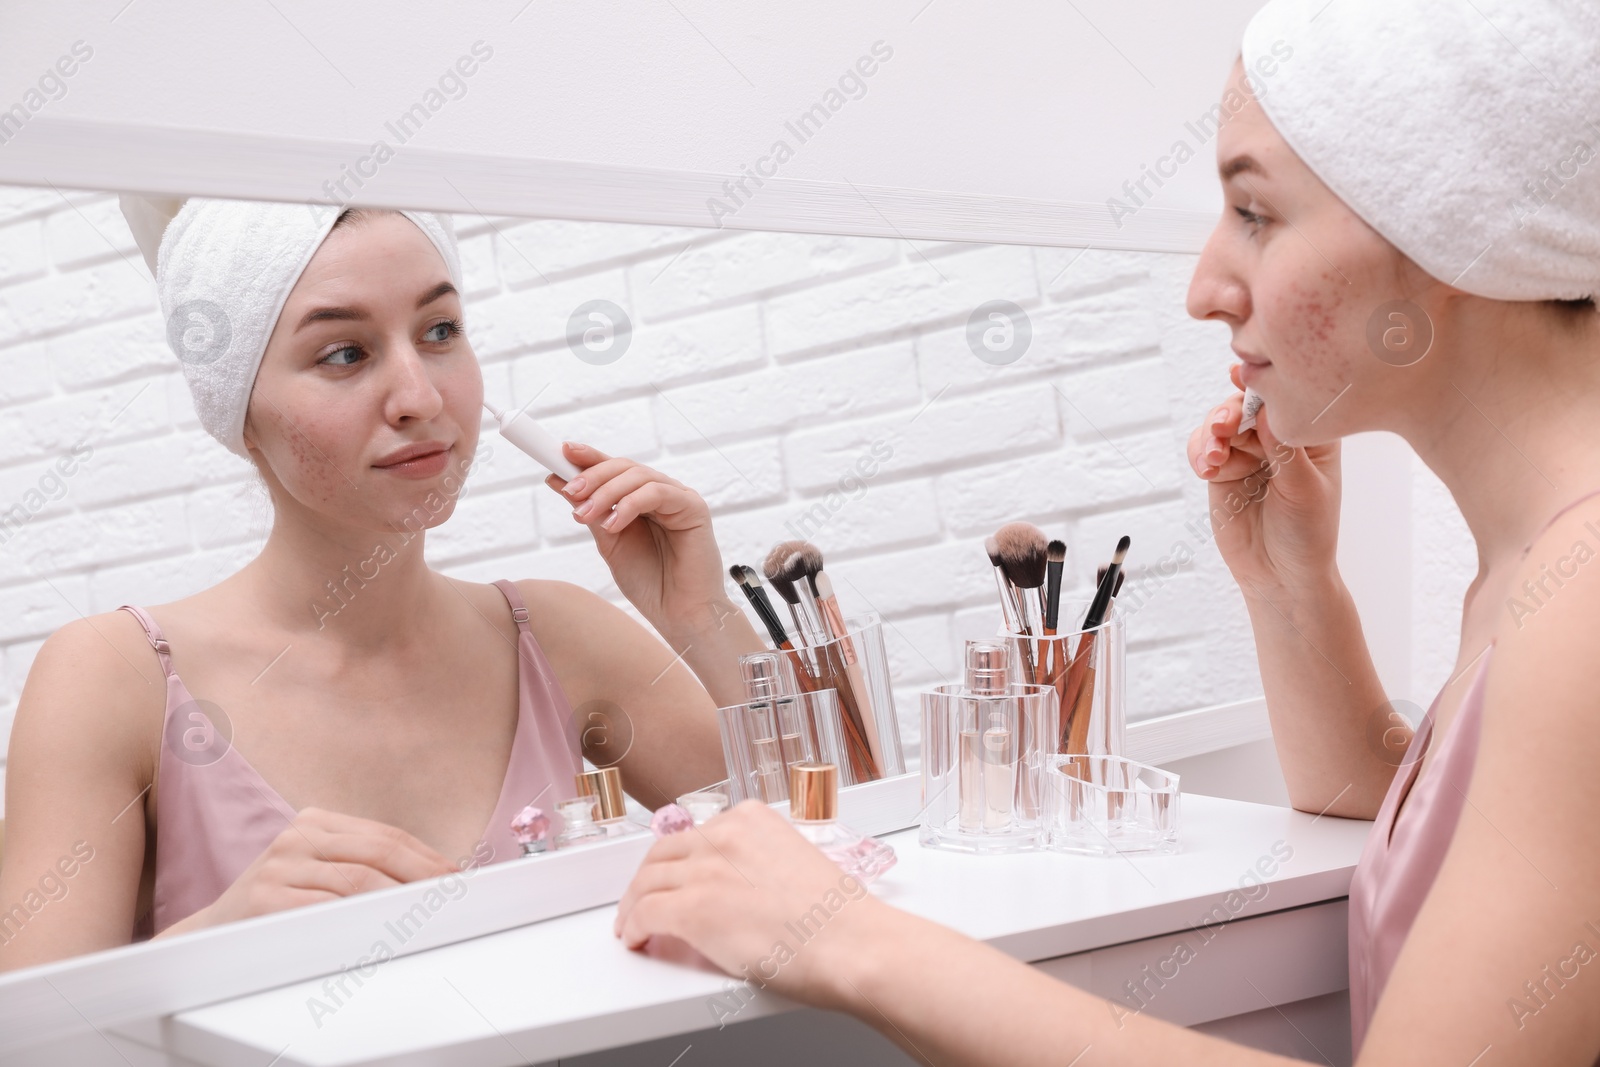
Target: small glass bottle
{"points": [[531, 828], [598, 812], [814, 810]]}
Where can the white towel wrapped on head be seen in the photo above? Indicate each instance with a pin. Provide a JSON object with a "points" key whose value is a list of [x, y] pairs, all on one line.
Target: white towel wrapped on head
{"points": [[223, 270], [1466, 132]]}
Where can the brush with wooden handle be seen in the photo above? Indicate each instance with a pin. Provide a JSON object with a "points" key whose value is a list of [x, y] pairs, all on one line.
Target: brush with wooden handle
{"points": [[1078, 695]]}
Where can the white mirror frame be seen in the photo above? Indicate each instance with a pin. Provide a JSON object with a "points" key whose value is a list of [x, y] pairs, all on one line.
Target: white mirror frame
{"points": [[131, 987]]}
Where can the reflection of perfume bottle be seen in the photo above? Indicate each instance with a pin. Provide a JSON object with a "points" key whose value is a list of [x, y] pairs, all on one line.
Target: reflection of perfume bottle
{"points": [[598, 812], [703, 804], [987, 748], [531, 828], [764, 684], [814, 809]]}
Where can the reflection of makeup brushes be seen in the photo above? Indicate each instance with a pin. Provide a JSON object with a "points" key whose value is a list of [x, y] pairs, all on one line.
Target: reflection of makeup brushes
{"points": [[746, 577], [807, 558], [1022, 550], [802, 605], [791, 567], [1079, 691]]}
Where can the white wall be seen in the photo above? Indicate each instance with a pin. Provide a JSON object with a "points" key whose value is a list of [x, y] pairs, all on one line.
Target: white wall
{"points": [[762, 365]]}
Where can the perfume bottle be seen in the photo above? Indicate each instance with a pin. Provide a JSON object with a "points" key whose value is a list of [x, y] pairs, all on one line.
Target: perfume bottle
{"points": [[703, 804], [983, 745], [531, 828], [598, 812], [765, 689], [814, 809], [987, 742]]}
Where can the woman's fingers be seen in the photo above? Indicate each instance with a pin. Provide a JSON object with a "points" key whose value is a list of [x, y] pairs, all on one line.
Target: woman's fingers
{"points": [[334, 837]]}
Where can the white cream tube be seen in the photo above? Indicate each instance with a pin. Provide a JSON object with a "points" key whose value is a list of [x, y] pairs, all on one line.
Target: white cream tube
{"points": [[1252, 407], [521, 430]]}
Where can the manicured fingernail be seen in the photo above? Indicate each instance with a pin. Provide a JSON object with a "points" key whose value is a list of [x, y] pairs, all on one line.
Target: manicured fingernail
{"points": [[1215, 456], [1208, 472], [582, 510], [1218, 415], [575, 486], [611, 518]]}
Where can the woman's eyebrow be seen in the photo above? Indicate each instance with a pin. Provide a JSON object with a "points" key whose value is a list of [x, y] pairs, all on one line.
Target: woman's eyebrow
{"points": [[340, 314], [1241, 164]]}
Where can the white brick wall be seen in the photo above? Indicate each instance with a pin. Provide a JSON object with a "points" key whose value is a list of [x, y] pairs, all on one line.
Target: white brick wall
{"points": [[761, 366]]}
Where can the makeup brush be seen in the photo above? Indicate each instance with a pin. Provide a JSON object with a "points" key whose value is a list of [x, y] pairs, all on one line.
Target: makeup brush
{"points": [[751, 585], [1100, 576], [795, 564], [1078, 696], [1010, 602], [1055, 560], [1022, 550], [802, 603]]}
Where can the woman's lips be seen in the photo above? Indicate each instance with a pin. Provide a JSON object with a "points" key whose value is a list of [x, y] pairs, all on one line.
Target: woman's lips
{"points": [[425, 465], [1249, 372]]}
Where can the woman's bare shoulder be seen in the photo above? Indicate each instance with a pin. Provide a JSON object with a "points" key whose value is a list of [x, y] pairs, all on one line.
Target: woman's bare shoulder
{"points": [[93, 699]]}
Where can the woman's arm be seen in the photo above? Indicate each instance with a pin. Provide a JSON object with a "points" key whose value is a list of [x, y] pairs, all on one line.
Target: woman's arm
{"points": [[636, 705], [1501, 967], [80, 762], [655, 534], [1275, 513], [739, 888]]}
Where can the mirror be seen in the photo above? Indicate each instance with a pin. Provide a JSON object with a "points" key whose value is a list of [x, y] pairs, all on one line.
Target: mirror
{"points": [[892, 402]]}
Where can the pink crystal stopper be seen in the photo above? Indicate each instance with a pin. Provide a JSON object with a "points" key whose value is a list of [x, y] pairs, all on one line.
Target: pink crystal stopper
{"points": [[670, 819], [531, 828]]}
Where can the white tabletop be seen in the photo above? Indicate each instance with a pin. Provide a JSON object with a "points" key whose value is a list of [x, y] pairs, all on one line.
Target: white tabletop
{"points": [[566, 986]]}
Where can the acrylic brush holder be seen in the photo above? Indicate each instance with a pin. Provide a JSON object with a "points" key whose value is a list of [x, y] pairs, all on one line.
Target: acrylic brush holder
{"points": [[1088, 671], [762, 738], [856, 666], [983, 754]]}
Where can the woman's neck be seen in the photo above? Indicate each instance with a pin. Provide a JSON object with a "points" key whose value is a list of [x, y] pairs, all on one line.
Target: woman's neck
{"points": [[1512, 427], [370, 588]]}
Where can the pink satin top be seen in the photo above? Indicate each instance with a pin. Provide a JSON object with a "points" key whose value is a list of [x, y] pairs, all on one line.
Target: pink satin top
{"points": [[1403, 855], [215, 814]]}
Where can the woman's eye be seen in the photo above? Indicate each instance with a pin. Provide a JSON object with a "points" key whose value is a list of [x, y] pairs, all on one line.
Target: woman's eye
{"points": [[342, 357], [1250, 217], [440, 332]]}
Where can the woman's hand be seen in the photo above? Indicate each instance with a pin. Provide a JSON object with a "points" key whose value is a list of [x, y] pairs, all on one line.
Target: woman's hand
{"points": [[761, 902], [1274, 507], [654, 533], [321, 855]]}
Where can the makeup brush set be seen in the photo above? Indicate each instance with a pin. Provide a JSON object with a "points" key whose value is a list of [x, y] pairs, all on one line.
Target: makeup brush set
{"points": [[824, 651]]}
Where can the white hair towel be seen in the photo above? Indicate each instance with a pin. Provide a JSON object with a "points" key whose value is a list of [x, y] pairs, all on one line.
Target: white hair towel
{"points": [[223, 270], [1463, 131]]}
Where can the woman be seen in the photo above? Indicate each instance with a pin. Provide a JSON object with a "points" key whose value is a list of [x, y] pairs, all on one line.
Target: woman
{"points": [[1480, 879], [338, 716]]}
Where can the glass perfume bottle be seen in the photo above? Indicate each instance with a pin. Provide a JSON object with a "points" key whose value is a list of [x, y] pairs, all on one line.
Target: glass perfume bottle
{"points": [[598, 812], [984, 742], [814, 810]]}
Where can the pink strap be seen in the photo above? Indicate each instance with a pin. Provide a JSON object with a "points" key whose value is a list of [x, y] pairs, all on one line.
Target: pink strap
{"points": [[152, 631], [519, 610]]}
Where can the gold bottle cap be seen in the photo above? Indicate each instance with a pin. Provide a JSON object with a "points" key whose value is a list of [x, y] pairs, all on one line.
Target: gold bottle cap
{"points": [[813, 791], [605, 785]]}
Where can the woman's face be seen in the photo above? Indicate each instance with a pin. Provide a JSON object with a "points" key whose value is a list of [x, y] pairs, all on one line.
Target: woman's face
{"points": [[366, 407], [1300, 278]]}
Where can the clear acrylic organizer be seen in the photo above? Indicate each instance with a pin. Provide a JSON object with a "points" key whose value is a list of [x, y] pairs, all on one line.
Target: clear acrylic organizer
{"points": [[763, 738], [983, 757], [856, 667], [1088, 671], [1104, 805]]}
